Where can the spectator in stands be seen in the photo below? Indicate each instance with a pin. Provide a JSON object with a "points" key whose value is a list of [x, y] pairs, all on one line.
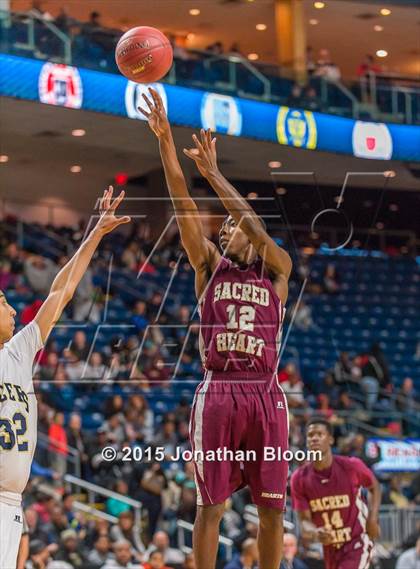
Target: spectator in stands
{"points": [[36, 529], [94, 22], [303, 316], [235, 50], [343, 369], [71, 550], [100, 554], [156, 561], [331, 280], [151, 487], [167, 437], [130, 257], [160, 543], [310, 61], [410, 559], [7, 278], [290, 549], [215, 48], [292, 386], [37, 10], [80, 346], [377, 366], [368, 67], [76, 439], [85, 300], [40, 273], [115, 506], [325, 67], [310, 99], [247, 558], [126, 529], [96, 369], [14, 255], [139, 318], [58, 444], [75, 368], [407, 397], [38, 555], [123, 557], [394, 495], [295, 97], [58, 523]]}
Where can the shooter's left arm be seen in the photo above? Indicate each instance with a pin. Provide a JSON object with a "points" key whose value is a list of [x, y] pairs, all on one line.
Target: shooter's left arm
{"points": [[276, 259], [67, 280]]}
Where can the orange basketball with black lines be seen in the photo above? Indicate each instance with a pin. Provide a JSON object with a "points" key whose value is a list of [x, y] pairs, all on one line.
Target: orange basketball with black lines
{"points": [[144, 54]]}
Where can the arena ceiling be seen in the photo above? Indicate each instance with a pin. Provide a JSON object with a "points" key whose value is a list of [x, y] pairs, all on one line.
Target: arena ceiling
{"points": [[347, 28], [41, 150]]}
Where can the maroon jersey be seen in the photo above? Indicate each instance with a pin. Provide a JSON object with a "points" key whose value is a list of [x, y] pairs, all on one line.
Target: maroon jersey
{"points": [[241, 320], [334, 498]]}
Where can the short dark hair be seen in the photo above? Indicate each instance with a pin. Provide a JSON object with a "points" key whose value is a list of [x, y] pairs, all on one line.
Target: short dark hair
{"points": [[320, 421], [263, 223]]}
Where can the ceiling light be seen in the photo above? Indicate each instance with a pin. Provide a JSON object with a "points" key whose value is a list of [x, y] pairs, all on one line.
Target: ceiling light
{"points": [[393, 207], [78, 132], [252, 195], [380, 225], [339, 200], [194, 12], [390, 174], [281, 191], [313, 22], [319, 5], [385, 11], [381, 53], [274, 164], [75, 169], [378, 28], [253, 56], [261, 27], [4, 158], [190, 36]]}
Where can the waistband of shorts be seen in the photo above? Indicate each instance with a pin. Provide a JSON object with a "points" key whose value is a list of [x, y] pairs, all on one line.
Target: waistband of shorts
{"points": [[251, 376], [10, 498]]}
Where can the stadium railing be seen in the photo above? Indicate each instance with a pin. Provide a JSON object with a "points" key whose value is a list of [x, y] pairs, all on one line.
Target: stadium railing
{"points": [[184, 526], [72, 454], [93, 490], [397, 524], [377, 97]]}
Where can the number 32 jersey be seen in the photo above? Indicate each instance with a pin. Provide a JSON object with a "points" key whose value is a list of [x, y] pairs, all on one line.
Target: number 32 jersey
{"points": [[18, 412], [241, 320]]}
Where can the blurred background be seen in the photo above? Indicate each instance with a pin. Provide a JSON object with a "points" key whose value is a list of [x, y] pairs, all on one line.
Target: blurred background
{"points": [[317, 110]]}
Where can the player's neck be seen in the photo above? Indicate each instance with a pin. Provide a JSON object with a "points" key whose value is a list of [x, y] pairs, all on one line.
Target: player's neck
{"points": [[325, 462]]}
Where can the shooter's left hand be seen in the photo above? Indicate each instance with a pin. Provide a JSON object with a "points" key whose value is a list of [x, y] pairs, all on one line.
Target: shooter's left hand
{"points": [[204, 153]]}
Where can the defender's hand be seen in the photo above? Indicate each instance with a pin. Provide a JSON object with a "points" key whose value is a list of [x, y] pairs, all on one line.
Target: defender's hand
{"points": [[108, 220], [204, 153], [156, 115]]}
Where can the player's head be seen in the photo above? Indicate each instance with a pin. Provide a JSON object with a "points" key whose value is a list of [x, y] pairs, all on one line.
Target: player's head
{"points": [[319, 435], [234, 242], [7, 319]]}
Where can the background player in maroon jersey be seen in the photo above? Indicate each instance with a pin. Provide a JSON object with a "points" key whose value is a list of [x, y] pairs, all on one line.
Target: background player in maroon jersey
{"points": [[328, 497], [241, 299]]}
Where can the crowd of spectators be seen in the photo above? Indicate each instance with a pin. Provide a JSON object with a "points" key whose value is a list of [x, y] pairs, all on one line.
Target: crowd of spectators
{"points": [[58, 530]]}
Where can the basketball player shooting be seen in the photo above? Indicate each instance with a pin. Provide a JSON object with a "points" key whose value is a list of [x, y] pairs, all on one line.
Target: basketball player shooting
{"points": [[327, 495], [18, 407], [241, 295]]}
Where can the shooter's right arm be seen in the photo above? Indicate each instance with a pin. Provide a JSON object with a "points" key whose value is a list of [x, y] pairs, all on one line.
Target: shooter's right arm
{"points": [[201, 252]]}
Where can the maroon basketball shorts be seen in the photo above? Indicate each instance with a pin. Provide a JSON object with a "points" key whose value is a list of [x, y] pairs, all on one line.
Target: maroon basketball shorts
{"points": [[239, 429], [353, 555]]}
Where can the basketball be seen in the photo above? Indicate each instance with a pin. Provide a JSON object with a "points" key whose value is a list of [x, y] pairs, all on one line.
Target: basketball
{"points": [[144, 54]]}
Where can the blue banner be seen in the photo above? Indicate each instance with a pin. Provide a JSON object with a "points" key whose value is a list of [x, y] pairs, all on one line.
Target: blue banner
{"points": [[62, 85]]}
